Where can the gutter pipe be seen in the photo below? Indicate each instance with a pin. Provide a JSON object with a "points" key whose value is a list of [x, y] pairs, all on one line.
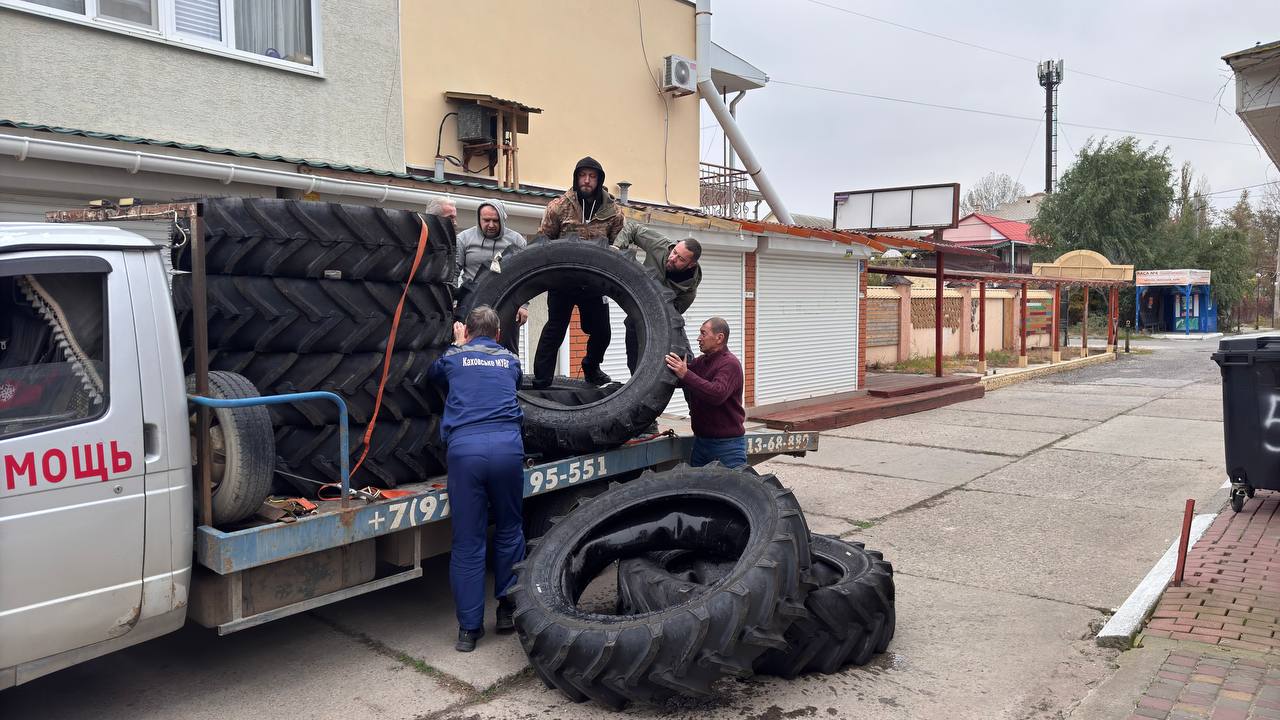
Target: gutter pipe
{"points": [[737, 140]]}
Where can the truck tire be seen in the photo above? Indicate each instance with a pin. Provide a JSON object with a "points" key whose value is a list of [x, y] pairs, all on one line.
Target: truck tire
{"points": [[304, 316], [543, 511], [408, 393], [242, 449], [400, 452], [850, 615], [680, 650], [560, 430], [300, 239], [567, 391]]}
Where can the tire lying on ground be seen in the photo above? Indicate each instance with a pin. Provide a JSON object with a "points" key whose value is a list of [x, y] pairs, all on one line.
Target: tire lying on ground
{"points": [[679, 650], [580, 265], [300, 239], [241, 449], [303, 316], [400, 452], [850, 615], [408, 393]]}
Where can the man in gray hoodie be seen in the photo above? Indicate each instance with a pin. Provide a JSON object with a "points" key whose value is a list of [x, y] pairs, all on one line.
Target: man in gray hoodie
{"points": [[479, 246]]}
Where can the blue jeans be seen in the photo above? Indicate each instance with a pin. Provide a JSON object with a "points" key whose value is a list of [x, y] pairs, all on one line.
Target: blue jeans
{"points": [[731, 452], [486, 469]]}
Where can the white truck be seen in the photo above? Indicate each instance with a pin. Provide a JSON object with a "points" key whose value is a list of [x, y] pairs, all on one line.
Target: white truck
{"points": [[100, 543]]}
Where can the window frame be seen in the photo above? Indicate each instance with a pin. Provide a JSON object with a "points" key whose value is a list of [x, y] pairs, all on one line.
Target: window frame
{"points": [[165, 32], [82, 265]]}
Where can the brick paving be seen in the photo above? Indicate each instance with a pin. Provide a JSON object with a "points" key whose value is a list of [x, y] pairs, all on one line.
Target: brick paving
{"points": [[1229, 602]]}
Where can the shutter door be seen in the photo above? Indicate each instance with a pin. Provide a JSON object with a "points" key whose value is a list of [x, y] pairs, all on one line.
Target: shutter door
{"points": [[806, 327], [719, 294], [31, 208]]}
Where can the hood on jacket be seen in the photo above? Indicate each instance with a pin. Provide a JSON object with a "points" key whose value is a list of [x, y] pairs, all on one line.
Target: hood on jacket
{"points": [[502, 215], [589, 163]]}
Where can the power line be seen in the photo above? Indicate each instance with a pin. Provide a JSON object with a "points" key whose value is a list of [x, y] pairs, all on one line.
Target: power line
{"points": [[1009, 116], [995, 51], [1034, 136]]}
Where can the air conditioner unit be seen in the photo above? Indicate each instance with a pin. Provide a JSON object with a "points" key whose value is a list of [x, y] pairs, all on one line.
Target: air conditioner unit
{"points": [[679, 76]]}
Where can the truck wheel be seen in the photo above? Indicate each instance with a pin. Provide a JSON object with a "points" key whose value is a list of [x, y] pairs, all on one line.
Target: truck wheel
{"points": [[300, 239], [680, 650], [554, 428], [400, 452], [242, 449], [850, 616], [354, 377], [266, 314]]}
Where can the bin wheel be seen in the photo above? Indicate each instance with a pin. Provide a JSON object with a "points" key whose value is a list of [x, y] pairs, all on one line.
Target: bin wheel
{"points": [[1237, 499]]}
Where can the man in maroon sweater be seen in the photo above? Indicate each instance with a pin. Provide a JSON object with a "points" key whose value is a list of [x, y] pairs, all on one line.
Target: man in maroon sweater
{"points": [[712, 386]]}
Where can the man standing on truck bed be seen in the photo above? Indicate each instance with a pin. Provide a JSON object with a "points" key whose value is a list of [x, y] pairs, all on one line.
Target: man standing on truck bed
{"points": [[480, 246], [712, 386], [481, 427], [587, 210], [674, 263]]}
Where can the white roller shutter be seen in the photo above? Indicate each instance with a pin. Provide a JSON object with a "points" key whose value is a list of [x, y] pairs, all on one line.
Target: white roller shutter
{"points": [[719, 294], [806, 326], [31, 208]]}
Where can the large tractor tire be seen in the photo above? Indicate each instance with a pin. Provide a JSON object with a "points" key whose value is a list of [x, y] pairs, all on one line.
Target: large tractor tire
{"points": [[408, 393], [557, 429], [242, 451], [679, 650], [400, 452], [300, 239], [306, 316], [850, 616]]}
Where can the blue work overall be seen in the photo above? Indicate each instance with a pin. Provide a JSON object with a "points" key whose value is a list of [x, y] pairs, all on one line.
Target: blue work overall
{"points": [[481, 427]]}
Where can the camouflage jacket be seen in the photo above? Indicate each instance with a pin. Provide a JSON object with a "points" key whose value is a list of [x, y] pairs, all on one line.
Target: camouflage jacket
{"points": [[565, 216]]}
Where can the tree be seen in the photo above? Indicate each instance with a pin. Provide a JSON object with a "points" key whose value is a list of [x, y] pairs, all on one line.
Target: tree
{"points": [[1114, 200], [992, 191]]}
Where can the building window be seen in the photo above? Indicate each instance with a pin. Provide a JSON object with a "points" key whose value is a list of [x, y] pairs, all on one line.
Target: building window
{"points": [[271, 31]]}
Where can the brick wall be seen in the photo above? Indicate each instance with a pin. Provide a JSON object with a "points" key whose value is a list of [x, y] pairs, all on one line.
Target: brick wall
{"points": [[881, 321], [749, 329], [577, 345], [862, 324]]}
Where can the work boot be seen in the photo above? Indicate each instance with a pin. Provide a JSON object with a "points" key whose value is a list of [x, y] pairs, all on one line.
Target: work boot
{"points": [[506, 621], [592, 373], [541, 383], [467, 639]]}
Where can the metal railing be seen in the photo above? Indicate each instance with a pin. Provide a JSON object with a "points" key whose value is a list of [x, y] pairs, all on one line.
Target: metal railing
{"points": [[727, 192]]}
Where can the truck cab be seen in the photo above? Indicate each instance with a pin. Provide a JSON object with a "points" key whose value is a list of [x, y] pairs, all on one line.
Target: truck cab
{"points": [[95, 460]]}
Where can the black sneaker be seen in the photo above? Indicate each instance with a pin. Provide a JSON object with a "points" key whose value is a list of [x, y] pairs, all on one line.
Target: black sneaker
{"points": [[594, 375], [506, 622], [467, 639]]}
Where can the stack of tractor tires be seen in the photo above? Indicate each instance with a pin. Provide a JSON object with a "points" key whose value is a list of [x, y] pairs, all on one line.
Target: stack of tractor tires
{"points": [[301, 296], [717, 577]]}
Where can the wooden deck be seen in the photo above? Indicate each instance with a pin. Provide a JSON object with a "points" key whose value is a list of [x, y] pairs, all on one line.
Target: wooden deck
{"points": [[886, 395]]}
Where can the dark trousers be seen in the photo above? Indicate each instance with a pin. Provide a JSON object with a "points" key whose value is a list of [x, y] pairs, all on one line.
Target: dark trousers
{"points": [[594, 314], [730, 452], [633, 344], [486, 470]]}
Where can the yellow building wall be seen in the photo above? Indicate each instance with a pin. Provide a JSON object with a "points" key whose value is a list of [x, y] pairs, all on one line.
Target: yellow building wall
{"points": [[578, 60]]}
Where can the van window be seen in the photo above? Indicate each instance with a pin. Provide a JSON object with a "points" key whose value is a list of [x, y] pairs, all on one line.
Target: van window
{"points": [[53, 369]]}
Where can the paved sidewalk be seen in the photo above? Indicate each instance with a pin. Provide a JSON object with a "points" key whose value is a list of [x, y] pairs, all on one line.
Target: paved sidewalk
{"points": [[1226, 617]]}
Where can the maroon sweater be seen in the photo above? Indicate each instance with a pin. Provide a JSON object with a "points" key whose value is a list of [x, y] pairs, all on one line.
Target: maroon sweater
{"points": [[713, 389]]}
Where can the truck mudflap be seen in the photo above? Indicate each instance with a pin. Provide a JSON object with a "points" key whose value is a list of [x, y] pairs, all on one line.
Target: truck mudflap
{"points": [[332, 526]]}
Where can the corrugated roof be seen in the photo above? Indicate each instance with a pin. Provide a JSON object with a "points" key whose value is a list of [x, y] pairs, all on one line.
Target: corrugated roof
{"points": [[135, 140], [1019, 232]]}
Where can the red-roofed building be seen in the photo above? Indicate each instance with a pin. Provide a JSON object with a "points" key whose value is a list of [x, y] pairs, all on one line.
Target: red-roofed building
{"points": [[1009, 239]]}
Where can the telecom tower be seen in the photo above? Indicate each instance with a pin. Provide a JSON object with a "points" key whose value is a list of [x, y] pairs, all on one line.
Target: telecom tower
{"points": [[1050, 73]]}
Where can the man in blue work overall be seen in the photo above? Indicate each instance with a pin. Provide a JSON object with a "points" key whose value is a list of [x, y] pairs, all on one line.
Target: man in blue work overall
{"points": [[481, 428]]}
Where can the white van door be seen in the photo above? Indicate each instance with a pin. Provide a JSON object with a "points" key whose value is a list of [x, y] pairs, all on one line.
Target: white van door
{"points": [[71, 453]]}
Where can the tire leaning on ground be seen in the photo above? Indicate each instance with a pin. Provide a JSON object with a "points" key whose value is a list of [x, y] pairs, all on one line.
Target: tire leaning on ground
{"points": [[680, 650], [554, 428], [301, 239], [242, 449], [850, 616]]}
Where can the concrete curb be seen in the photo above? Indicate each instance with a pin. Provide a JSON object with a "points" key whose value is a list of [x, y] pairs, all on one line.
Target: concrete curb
{"points": [[993, 382], [1120, 629]]}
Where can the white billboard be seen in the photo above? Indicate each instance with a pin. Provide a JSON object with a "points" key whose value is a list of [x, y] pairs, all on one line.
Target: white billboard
{"points": [[921, 207]]}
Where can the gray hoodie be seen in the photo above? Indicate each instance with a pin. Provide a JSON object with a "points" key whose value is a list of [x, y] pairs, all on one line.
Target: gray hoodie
{"points": [[476, 251]]}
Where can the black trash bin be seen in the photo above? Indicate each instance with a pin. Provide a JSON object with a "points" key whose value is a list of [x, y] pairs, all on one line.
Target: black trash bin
{"points": [[1250, 414]]}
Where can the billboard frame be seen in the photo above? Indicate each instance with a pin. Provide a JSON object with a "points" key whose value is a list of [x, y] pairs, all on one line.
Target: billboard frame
{"points": [[844, 195]]}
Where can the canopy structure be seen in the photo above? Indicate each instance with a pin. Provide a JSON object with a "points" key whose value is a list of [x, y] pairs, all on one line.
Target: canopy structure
{"points": [[1176, 300]]}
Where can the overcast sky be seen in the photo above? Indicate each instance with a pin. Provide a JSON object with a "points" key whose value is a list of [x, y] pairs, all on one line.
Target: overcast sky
{"points": [[813, 143]]}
